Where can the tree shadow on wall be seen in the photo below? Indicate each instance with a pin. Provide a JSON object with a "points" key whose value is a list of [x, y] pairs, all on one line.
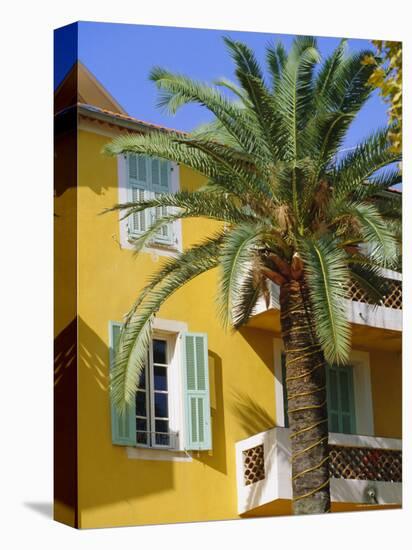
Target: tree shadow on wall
{"points": [[86, 461], [216, 458]]}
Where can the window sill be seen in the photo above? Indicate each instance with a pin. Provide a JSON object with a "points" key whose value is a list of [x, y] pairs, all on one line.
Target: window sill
{"points": [[156, 247], [167, 455]]}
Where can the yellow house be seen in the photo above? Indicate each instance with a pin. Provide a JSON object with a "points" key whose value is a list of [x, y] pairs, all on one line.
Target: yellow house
{"points": [[208, 437]]}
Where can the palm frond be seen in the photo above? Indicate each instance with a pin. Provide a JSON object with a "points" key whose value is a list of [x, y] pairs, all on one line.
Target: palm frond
{"points": [[252, 287], [234, 88], [371, 155], [135, 335], [326, 75], [178, 90], [295, 94], [276, 57], [237, 259], [371, 281], [261, 100], [374, 231], [209, 247], [326, 274], [189, 204], [348, 90]]}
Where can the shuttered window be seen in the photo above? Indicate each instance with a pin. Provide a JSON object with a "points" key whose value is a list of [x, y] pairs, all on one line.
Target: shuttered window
{"points": [[341, 408], [340, 397], [196, 385], [148, 421], [148, 178]]}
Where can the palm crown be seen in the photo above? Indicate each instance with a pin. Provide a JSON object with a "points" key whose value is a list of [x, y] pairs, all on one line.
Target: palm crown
{"points": [[293, 206]]}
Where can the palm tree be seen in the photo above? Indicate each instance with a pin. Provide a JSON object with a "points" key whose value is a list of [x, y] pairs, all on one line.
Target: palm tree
{"points": [[296, 211]]}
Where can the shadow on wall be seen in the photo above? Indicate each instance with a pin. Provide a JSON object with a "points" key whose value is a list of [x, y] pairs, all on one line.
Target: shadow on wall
{"points": [[251, 416], [87, 464], [260, 341], [255, 419], [65, 418], [216, 458]]}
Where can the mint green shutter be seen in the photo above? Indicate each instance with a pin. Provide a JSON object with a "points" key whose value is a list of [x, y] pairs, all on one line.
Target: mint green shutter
{"points": [[340, 395], [196, 391], [160, 183], [138, 190], [123, 426]]}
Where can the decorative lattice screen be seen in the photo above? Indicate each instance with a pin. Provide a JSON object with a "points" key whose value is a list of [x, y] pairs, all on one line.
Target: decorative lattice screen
{"points": [[393, 299], [253, 465], [345, 463], [365, 463]]}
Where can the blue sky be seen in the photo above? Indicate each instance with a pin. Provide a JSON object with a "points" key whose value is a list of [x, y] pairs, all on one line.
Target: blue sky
{"points": [[121, 57]]}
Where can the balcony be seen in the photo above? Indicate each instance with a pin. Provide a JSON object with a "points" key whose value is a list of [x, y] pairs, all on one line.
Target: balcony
{"points": [[364, 470], [373, 326]]}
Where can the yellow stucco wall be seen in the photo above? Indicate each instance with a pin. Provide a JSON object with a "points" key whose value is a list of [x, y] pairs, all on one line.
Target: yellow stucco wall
{"points": [[116, 490], [386, 380]]}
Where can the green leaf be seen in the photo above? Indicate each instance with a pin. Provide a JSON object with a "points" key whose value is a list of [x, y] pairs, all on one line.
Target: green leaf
{"points": [[136, 332], [237, 262], [326, 274]]}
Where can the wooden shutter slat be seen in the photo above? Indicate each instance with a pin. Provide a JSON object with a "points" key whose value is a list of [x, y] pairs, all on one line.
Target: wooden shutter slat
{"points": [[123, 425], [340, 395], [196, 390]]}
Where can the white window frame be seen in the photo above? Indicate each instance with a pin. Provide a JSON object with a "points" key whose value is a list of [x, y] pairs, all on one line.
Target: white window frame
{"points": [[156, 248], [170, 330], [150, 391], [361, 384]]}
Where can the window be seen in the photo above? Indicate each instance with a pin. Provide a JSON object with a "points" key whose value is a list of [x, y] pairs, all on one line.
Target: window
{"points": [[148, 178], [341, 409], [340, 397], [172, 405], [152, 398]]}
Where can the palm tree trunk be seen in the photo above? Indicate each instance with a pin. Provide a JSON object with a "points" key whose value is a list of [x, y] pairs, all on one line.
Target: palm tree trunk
{"points": [[307, 410]]}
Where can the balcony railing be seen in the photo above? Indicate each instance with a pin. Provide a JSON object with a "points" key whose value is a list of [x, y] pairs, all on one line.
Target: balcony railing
{"points": [[363, 469], [393, 299], [360, 310], [365, 463]]}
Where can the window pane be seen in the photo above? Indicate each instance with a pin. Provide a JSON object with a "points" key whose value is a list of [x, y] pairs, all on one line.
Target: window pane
{"points": [[159, 351], [142, 380], [162, 426], [161, 408], [160, 378], [141, 424], [141, 431], [141, 403], [141, 438], [162, 439]]}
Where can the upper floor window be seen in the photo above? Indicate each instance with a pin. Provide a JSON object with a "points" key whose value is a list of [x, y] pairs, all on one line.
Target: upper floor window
{"points": [[146, 178]]}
